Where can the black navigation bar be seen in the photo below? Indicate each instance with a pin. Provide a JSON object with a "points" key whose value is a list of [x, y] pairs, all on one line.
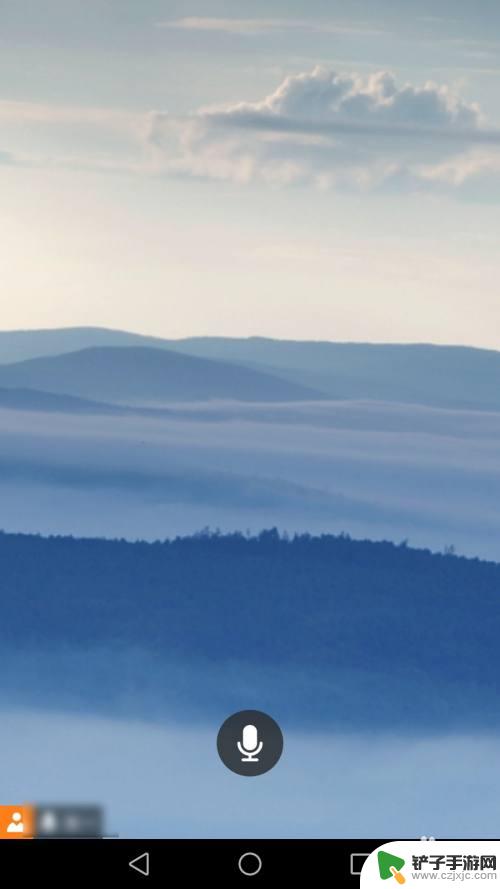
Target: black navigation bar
{"points": [[153, 862]]}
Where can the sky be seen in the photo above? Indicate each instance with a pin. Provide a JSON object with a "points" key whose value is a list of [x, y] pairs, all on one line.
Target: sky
{"points": [[319, 170]]}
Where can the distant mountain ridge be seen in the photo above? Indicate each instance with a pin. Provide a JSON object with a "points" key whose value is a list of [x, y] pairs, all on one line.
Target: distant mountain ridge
{"points": [[22, 345], [143, 375], [442, 376]]}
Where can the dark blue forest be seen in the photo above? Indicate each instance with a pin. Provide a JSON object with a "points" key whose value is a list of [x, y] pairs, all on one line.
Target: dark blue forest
{"points": [[356, 631]]}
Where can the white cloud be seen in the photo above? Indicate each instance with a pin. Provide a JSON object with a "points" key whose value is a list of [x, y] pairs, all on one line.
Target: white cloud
{"points": [[319, 128], [334, 130]]}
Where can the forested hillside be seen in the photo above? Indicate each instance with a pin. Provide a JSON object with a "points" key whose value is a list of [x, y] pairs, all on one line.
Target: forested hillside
{"points": [[349, 627]]}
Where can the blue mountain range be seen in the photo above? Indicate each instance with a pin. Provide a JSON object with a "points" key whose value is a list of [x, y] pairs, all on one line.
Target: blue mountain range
{"points": [[255, 368]]}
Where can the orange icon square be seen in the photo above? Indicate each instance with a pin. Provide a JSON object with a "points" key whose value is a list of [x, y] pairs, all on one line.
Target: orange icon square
{"points": [[16, 822]]}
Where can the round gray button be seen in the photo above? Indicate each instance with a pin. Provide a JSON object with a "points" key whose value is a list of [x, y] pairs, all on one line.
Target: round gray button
{"points": [[250, 742]]}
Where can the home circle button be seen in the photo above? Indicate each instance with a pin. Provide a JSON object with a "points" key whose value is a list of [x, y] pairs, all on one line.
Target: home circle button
{"points": [[250, 864]]}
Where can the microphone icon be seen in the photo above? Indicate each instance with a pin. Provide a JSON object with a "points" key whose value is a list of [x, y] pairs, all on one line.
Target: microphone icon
{"points": [[250, 746]]}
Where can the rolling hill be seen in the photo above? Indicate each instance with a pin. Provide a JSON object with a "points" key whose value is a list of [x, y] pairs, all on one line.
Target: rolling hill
{"points": [[441, 376], [22, 345], [142, 375]]}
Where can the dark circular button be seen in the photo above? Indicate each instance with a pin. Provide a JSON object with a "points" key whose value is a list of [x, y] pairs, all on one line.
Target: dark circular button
{"points": [[250, 864], [250, 743]]}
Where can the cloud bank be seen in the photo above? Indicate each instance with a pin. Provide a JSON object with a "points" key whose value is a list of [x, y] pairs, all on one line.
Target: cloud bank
{"points": [[319, 128], [335, 130]]}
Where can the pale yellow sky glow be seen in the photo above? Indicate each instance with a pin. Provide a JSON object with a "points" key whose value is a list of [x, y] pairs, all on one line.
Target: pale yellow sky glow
{"points": [[151, 256], [350, 197]]}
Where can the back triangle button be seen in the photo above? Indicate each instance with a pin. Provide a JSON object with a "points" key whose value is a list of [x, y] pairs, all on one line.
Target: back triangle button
{"points": [[141, 864]]}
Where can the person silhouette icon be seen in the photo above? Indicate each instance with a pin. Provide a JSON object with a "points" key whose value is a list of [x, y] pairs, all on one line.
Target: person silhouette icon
{"points": [[16, 825]]}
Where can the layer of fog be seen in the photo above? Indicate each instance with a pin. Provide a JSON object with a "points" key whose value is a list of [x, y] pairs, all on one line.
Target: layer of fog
{"points": [[168, 781], [373, 470], [127, 681]]}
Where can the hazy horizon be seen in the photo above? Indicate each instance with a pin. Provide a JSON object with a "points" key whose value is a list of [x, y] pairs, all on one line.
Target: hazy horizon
{"points": [[152, 334]]}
